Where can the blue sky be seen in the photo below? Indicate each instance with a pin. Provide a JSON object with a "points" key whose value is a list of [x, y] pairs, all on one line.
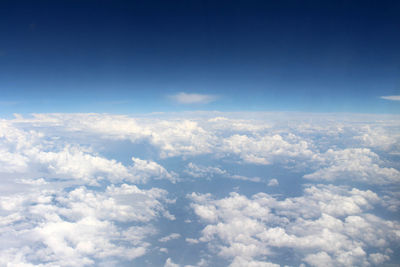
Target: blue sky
{"points": [[131, 56]]}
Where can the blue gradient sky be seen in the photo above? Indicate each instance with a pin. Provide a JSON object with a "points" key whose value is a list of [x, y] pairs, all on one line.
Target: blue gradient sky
{"points": [[130, 56]]}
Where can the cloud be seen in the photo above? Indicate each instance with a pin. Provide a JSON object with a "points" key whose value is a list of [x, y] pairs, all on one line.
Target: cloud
{"points": [[79, 227], [170, 263], [203, 172], [29, 146], [359, 165], [209, 172], [169, 237], [273, 182], [266, 149], [192, 241], [239, 262], [185, 98], [391, 97], [379, 137], [326, 226], [69, 197]]}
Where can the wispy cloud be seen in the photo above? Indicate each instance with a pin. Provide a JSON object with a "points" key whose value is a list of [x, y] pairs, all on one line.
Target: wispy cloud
{"points": [[185, 98], [391, 97]]}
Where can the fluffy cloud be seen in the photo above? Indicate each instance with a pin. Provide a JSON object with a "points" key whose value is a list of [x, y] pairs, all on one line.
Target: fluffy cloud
{"points": [[65, 201], [328, 225], [29, 151], [170, 263], [79, 227], [265, 149], [302, 143], [355, 165], [173, 137], [380, 137], [273, 182]]}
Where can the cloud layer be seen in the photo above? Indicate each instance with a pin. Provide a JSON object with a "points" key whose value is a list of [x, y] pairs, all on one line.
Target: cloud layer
{"points": [[240, 189]]}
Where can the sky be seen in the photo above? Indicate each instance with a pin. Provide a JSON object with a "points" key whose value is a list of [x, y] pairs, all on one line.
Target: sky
{"points": [[137, 56], [199, 133]]}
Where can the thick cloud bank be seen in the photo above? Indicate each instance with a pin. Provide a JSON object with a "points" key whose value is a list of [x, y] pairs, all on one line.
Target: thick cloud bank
{"points": [[200, 189]]}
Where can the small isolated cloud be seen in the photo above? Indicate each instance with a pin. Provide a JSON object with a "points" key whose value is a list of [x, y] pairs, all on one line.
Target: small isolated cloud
{"points": [[192, 241], [273, 182], [185, 98], [391, 97], [170, 263], [169, 237]]}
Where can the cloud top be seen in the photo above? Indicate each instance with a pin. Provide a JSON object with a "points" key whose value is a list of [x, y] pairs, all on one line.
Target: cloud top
{"points": [[185, 98], [391, 97]]}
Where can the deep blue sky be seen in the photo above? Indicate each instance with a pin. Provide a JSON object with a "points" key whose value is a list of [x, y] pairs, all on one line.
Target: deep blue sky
{"points": [[129, 56]]}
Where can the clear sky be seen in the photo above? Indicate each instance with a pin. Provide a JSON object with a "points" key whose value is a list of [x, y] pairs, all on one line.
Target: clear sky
{"points": [[138, 56]]}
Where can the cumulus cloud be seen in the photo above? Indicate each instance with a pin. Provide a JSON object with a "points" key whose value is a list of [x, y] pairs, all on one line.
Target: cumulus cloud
{"points": [[265, 149], [353, 164], [66, 201], [170, 263], [253, 141], [188, 98], [326, 225], [79, 227], [273, 182], [30, 151], [391, 97], [379, 137]]}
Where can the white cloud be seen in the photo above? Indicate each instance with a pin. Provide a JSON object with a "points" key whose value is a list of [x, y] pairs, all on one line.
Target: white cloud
{"points": [[353, 164], [327, 226], [391, 97], [245, 178], [380, 137], [203, 172], [32, 152], [170, 263], [209, 172], [169, 237], [265, 149], [273, 182], [79, 227], [164, 250], [201, 263], [187, 98], [240, 262], [85, 208], [252, 141], [192, 241], [145, 169]]}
